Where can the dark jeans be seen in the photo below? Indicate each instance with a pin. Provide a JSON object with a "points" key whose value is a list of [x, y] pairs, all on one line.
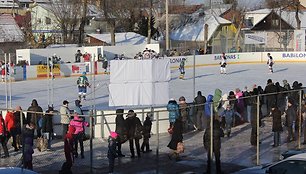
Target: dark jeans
{"points": [[111, 164], [276, 138], [38, 131], [65, 129], [131, 142], [145, 144], [119, 148], [13, 133], [218, 162], [4, 147], [78, 138]]}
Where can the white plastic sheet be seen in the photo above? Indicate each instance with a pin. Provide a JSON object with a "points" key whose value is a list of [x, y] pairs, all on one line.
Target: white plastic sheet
{"points": [[139, 82]]}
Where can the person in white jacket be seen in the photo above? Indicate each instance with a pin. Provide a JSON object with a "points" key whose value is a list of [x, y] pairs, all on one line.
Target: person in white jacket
{"points": [[65, 117]]}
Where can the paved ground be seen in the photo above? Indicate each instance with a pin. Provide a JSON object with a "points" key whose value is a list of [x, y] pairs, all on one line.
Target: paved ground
{"points": [[237, 153]]}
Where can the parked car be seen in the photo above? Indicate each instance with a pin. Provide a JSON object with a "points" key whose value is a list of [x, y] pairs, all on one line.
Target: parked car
{"points": [[292, 165], [290, 153], [15, 170]]}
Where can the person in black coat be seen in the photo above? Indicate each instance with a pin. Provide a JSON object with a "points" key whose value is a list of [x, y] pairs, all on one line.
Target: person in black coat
{"points": [[271, 98], [18, 125], [291, 117], [147, 125], [276, 124], [35, 118], [47, 126], [177, 136], [216, 145], [201, 120], [120, 130], [134, 129]]}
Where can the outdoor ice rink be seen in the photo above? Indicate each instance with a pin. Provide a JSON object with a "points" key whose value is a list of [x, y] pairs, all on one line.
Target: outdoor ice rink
{"points": [[236, 152]]}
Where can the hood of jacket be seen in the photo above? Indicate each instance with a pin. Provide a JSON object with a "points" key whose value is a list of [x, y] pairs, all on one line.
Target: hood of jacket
{"points": [[210, 98], [218, 95], [34, 102]]}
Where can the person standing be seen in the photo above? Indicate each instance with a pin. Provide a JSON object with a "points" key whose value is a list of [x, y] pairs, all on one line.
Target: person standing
{"points": [[134, 129], [65, 117], [291, 117], [104, 63], [3, 137], [79, 133], [11, 128], [173, 109], [78, 107], [182, 68], [223, 64], [216, 145], [47, 126], [111, 153], [68, 147], [199, 111], [82, 83], [18, 125], [28, 136], [120, 130], [78, 56], [276, 125], [147, 125], [34, 115], [270, 62], [229, 114], [177, 137], [271, 99], [184, 112]]}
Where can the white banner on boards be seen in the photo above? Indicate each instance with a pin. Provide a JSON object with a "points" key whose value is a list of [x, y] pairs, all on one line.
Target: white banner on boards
{"points": [[255, 38], [299, 40]]}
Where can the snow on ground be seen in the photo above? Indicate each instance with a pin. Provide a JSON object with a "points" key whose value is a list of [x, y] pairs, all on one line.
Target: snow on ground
{"points": [[207, 79]]}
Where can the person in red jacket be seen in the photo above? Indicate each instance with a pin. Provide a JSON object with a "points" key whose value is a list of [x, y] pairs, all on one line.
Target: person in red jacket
{"points": [[68, 147], [11, 127], [3, 136]]}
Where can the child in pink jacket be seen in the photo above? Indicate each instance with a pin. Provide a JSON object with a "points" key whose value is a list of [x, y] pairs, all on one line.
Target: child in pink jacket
{"points": [[79, 133]]}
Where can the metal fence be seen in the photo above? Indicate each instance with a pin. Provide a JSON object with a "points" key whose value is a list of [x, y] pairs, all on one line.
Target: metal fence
{"points": [[95, 147]]}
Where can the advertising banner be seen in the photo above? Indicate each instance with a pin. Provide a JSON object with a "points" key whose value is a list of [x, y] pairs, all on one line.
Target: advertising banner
{"points": [[255, 38], [42, 70], [299, 40], [80, 68]]}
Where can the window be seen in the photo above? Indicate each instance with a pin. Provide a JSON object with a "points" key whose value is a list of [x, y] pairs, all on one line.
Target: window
{"points": [[275, 22], [48, 21]]}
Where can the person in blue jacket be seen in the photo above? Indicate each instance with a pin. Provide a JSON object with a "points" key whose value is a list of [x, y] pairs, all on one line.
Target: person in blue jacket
{"points": [[173, 109], [229, 114]]}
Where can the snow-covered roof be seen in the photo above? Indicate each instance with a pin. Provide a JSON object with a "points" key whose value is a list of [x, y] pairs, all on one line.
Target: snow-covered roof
{"points": [[8, 4], [194, 31], [128, 38], [248, 4], [288, 16], [9, 30]]}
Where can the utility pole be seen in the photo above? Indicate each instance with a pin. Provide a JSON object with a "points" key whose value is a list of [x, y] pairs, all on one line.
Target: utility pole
{"points": [[149, 22], [167, 25]]}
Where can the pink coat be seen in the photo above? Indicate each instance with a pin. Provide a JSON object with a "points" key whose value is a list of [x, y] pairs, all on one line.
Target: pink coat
{"points": [[79, 124]]}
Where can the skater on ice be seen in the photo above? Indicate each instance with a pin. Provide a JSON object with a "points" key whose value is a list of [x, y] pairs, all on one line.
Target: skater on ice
{"points": [[82, 86], [223, 64], [270, 62], [182, 68]]}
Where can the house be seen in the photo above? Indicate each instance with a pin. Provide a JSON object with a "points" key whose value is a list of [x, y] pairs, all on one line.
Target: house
{"points": [[191, 33], [11, 37], [278, 27], [127, 38]]}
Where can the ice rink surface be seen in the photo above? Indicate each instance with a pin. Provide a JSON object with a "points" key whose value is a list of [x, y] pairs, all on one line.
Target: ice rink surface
{"points": [[207, 79]]}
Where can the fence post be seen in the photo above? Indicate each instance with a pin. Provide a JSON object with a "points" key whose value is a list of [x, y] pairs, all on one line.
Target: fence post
{"points": [[300, 119], [157, 135], [257, 131], [90, 141], [102, 124], [211, 134]]}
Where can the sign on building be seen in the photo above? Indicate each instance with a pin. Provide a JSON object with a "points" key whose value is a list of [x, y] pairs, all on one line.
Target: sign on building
{"points": [[299, 40], [255, 38]]}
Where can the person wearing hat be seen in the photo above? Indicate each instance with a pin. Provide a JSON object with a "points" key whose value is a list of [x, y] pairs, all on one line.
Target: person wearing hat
{"points": [[82, 83], [276, 125], [112, 153], [120, 130], [65, 117], [47, 126], [229, 114]]}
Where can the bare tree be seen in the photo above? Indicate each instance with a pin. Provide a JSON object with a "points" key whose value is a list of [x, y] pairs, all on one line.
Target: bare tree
{"points": [[67, 15]]}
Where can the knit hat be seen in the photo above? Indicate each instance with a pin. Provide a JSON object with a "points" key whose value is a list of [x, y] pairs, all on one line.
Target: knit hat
{"points": [[113, 135]]}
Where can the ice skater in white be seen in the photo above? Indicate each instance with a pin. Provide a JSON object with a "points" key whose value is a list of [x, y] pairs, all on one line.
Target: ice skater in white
{"points": [[223, 64], [270, 63]]}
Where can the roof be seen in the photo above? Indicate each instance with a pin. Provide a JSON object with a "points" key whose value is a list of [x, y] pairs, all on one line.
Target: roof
{"points": [[9, 30], [32, 1], [8, 4], [288, 16], [128, 38], [194, 30]]}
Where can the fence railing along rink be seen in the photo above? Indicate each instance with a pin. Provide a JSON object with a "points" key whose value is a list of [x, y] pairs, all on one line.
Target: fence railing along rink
{"points": [[96, 147]]}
